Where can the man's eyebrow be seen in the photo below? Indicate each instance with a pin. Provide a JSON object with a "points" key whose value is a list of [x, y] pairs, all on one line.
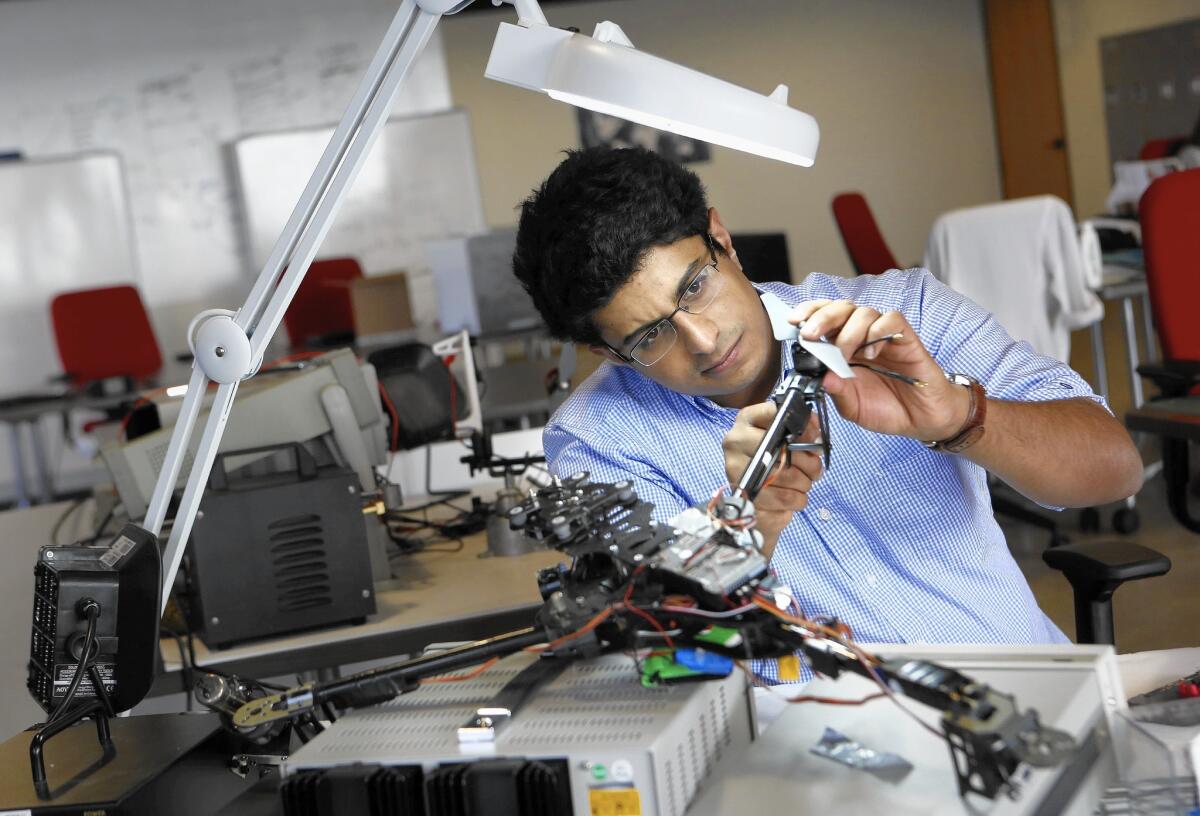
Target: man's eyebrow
{"points": [[684, 280]]}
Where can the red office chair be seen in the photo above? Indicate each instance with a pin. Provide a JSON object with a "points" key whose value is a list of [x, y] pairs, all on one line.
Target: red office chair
{"points": [[321, 314], [1159, 148], [868, 251], [1170, 216], [103, 333]]}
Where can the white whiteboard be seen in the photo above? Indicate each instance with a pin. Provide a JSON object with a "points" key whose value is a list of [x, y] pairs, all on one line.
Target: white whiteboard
{"points": [[419, 183], [64, 224], [168, 83]]}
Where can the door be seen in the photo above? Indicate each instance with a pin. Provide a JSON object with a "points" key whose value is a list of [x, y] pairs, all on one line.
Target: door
{"points": [[1025, 93]]}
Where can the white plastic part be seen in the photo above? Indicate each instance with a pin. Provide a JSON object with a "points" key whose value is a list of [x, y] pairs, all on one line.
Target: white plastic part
{"points": [[346, 433], [785, 331], [610, 32], [458, 346], [222, 349], [779, 95]]}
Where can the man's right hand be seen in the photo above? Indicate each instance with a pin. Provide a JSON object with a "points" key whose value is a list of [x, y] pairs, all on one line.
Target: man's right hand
{"points": [[787, 490]]}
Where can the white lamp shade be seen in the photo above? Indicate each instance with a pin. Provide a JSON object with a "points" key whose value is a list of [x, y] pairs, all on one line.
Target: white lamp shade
{"points": [[619, 80]]}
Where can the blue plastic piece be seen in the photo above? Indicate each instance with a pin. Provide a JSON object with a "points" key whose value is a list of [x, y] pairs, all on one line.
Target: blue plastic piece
{"points": [[705, 662]]}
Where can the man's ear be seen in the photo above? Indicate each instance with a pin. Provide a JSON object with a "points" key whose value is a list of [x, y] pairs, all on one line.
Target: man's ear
{"points": [[606, 353], [719, 234]]}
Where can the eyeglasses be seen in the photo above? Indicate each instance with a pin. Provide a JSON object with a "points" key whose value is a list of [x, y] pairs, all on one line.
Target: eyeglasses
{"points": [[654, 343]]}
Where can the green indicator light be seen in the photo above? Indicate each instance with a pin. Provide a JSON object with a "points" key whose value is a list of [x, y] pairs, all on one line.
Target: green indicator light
{"points": [[599, 772]]}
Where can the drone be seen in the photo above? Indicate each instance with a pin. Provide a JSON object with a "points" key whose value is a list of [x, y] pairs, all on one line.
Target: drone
{"points": [[698, 585]]}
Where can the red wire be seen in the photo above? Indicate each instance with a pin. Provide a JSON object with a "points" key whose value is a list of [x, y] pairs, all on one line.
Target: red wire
{"points": [[391, 408], [449, 361]]}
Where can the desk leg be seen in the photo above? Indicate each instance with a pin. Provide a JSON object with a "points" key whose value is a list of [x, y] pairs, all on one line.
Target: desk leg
{"points": [[20, 485], [1131, 350], [1148, 338], [38, 437], [1099, 363]]}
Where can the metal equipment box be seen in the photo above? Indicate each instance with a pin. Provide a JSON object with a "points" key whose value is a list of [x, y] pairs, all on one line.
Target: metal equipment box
{"points": [[623, 748]]}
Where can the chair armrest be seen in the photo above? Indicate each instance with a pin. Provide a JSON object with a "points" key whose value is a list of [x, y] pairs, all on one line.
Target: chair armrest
{"points": [[1173, 377], [1098, 563]]}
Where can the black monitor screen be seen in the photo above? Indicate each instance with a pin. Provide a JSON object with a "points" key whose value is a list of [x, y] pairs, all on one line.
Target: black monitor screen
{"points": [[764, 256]]}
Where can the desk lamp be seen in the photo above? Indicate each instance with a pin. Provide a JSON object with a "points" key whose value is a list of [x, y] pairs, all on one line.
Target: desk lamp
{"points": [[603, 72]]}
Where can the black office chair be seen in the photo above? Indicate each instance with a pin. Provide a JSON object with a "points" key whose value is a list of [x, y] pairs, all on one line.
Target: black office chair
{"points": [[1095, 570]]}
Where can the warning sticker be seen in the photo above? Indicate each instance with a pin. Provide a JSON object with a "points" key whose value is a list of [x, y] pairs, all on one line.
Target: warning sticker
{"points": [[64, 672], [615, 802]]}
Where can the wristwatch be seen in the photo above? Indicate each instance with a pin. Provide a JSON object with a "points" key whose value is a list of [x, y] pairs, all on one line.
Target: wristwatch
{"points": [[972, 429]]}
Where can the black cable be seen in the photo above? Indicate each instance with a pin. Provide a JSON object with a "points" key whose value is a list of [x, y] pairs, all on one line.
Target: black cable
{"points": [[328, 709], [185, 664], [92, 612], [100, 530], [75, 505]]}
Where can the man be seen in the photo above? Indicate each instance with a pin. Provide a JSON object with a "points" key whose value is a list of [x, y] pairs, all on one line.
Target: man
{"points": [[620, 251]]}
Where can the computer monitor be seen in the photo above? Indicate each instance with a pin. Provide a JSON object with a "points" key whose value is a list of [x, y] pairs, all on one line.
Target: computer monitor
{"points": [[476, 288], [763, 256], [329, 403]]}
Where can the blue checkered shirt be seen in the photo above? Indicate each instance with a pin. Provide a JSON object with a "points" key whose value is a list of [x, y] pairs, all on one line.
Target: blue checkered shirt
{"points": [[898, 541]]}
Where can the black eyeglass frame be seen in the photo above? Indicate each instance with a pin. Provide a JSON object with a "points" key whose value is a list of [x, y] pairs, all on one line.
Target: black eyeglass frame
{"points": [[712, 249]]}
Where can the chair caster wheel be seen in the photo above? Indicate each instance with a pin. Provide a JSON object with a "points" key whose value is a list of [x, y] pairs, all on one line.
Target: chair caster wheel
{"points": [[1089, 520], [1126, 520]]}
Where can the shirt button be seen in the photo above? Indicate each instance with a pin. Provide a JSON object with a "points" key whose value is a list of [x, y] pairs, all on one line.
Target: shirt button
{"points": [[871, 580], [824, 514]]}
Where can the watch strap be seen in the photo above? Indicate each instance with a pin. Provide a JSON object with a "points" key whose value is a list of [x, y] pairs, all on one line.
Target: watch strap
{"points": [[973, 428]]}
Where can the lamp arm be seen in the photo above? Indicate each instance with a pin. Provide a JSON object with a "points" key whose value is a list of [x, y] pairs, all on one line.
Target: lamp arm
{"points": [[229, 347]]}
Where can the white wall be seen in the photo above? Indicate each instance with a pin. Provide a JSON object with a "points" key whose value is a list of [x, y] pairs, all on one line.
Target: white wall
{"points": [[900, 90], [1079, 26]]}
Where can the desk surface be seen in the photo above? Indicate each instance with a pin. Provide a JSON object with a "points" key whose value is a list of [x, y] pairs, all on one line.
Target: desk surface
{"points": [[438, 596], [1178, 418]]}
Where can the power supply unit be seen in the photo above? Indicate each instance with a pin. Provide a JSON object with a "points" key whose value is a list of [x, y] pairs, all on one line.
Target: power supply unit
{"points": [[593, 740]]}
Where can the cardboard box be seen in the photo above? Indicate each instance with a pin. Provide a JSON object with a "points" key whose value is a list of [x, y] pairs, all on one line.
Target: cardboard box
{"points": [[381, 304]]}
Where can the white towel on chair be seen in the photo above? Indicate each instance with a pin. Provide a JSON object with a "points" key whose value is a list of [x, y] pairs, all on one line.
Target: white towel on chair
{"points": [[1022, 261]]}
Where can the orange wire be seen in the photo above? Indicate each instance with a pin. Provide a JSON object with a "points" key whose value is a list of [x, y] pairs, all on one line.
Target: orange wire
{"points": [[583, 630], [456, 678]]}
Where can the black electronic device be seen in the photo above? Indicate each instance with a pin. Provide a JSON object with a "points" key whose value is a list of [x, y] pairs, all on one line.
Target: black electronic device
{"points": [[116, 583], [94, 638], [278, 553], [427, 398]]}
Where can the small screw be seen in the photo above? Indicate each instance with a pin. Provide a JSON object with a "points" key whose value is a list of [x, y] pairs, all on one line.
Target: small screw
{"points": [[215, 620], [50, 555], [349, 488], [219, 351], [366, 593], [613, 547], [638, 557]]}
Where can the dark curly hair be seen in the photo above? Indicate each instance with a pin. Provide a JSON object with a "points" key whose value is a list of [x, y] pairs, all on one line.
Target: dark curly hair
{"points": [[587, 229]]}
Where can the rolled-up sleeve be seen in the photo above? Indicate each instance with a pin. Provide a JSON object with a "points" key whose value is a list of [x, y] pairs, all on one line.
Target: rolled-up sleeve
{"points": [[965, 338]]}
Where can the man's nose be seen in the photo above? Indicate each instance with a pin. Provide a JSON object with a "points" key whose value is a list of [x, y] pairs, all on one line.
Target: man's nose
{"points": [[698, 332]]}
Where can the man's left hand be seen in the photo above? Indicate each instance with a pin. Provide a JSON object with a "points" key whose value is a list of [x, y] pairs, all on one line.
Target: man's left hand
{"points": [[931, 412]]}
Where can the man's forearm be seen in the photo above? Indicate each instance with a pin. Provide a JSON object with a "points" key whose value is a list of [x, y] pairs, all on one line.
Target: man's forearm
{"points": [[1068, 452]]}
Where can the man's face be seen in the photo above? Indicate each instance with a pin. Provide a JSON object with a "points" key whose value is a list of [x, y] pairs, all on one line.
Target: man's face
{"points": [[723, 352]]}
